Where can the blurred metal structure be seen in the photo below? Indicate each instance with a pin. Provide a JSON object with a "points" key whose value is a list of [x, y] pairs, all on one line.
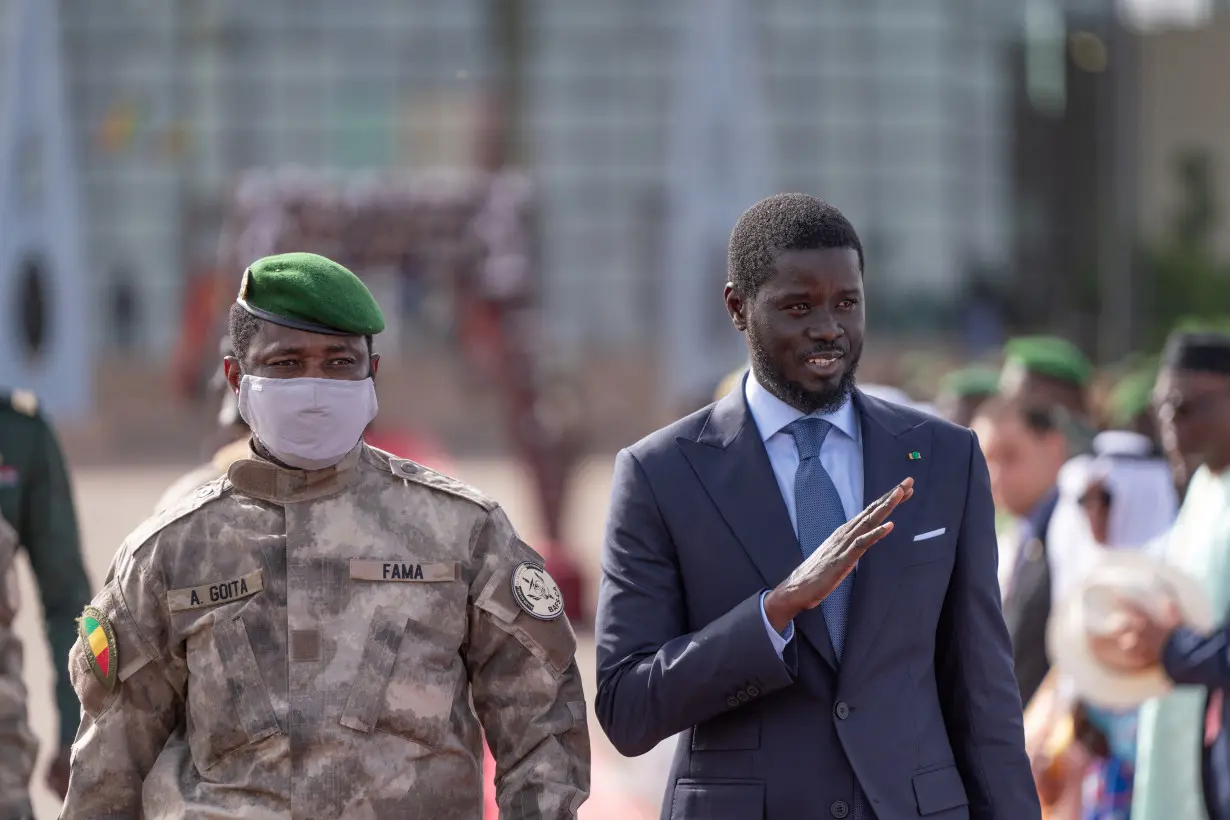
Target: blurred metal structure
{"points": [[45, 342], [906, 115]]}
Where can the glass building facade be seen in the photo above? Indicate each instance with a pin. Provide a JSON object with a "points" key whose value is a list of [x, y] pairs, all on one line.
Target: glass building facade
{"points": [[901, 113]]}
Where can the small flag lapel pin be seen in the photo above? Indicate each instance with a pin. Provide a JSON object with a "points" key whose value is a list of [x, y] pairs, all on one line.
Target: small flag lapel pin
{"points": [[915, 456]]}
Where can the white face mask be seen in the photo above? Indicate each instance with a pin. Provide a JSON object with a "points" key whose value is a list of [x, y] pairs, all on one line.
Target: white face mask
{"points": [[307, 423]]}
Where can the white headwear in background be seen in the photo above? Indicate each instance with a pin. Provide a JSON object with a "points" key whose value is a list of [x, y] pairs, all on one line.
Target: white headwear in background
{"points": [[1143, 505]]}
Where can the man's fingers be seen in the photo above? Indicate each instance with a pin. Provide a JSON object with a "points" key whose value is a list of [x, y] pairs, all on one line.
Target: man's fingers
{"points": [[864, 541], [889, 502]]}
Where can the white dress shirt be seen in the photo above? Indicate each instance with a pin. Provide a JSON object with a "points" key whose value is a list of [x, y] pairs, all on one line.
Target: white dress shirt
{"points": [[841, 455]]}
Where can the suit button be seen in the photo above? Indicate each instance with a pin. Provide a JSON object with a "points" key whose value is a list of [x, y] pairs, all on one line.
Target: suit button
{"points": [[753, 692], [732, 702], [742, 696], [842, 710], [839, 809]]}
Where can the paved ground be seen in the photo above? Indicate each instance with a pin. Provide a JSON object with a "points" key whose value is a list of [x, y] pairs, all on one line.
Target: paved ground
{"points": [[112, 501]]}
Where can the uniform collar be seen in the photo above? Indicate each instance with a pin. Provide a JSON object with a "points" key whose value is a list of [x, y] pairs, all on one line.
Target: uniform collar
{"points": [[772, 415], [258, 477]]}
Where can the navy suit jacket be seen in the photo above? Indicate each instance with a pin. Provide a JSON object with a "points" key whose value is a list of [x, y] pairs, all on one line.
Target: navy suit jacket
{"points": [[1200, 660], [923, 709]]}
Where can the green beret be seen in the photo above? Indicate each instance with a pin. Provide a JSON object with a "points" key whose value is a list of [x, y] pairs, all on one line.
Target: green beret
{"points": [[970, 382], [309, 292], [1048, 356], [1130, 396]]}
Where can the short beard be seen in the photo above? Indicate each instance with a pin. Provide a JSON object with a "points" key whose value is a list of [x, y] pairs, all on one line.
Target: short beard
{"points": [[772, 378]]}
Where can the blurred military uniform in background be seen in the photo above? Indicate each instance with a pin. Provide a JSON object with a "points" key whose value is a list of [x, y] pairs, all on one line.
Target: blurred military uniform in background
{"points": [[1046, 378], [963, 391], [230, 440], [37, 513]]}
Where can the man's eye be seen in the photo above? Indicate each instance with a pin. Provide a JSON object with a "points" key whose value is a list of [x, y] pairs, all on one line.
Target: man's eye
{"points": [[847, 304]]}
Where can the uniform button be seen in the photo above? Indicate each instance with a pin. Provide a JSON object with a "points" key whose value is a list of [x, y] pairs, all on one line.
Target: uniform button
{"points": [[839, 809], [753, 692], [742, 696], [842, 710], [407, 467], [732, 701]]}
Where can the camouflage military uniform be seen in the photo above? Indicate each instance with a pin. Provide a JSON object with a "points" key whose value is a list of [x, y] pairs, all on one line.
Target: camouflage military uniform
{"points": [[17, 745], [216, 467], [36, 514], [308, 643]]}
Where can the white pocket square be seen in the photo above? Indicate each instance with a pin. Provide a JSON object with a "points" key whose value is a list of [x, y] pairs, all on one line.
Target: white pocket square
{"points": [[923, 536]]}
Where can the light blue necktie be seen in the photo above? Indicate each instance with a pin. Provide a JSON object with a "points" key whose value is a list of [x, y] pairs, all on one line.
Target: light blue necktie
{"points": [[818, 512]]}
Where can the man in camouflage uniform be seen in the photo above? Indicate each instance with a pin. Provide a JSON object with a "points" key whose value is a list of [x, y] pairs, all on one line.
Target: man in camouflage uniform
{"points": [[36, 511], [305, 636]]}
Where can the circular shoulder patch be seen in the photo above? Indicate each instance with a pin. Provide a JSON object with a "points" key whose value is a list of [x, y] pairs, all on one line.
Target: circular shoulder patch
{"points": [[536, 593], [101, 651]]}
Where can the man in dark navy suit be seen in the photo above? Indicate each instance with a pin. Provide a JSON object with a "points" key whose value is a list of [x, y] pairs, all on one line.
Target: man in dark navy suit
{"points": [[820, 660]]}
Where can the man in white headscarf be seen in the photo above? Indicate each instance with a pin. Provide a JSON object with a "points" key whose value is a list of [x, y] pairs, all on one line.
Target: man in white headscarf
{"points": [[1122, 496]]}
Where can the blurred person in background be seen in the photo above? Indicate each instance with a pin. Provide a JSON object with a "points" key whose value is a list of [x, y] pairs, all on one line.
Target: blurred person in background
{"points": [[963, 391], [1183, 749], [731, 608], [228, 442], [1129, 404], [1025, 448], [1047, 371], [37, 514], [330, 630], [1119, 497]]}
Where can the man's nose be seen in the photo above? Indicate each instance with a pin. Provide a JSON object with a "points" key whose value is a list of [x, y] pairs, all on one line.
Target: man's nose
{"points": [[824, 327]]}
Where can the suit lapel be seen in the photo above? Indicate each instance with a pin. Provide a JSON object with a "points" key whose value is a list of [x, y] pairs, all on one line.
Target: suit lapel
{"points": [[730, 460], [888, 441]]}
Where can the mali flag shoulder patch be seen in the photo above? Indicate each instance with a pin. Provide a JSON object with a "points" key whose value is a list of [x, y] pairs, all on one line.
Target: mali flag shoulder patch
{"points": [[101, 651]]}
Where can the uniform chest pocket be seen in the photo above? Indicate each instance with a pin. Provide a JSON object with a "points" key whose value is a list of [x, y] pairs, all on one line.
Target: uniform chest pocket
{"points": [[410, 669], [225, 678]]}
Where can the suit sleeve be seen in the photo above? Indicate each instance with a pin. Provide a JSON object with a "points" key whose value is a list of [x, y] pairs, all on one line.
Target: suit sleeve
{"points": [[1190, 658], [526, 687], [979, 696], [656, 679], [49, 532]]}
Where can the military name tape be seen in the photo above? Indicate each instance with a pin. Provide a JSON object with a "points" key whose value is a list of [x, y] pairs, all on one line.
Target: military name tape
{"points": [[215, 594], [404, 571]]}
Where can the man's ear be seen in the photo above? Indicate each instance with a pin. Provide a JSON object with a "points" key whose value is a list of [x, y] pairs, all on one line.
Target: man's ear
{"points": [[233, 371], [736, 307], [375, 360]]}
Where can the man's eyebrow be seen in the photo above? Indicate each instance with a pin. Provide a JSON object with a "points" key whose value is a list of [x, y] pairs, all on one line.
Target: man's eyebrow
{"points": [[281, 350]]}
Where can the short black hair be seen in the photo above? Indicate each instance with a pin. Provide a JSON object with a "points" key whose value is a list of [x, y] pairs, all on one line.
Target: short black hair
{"points": [[1202, 351], [244, 326], [784, 222]]}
